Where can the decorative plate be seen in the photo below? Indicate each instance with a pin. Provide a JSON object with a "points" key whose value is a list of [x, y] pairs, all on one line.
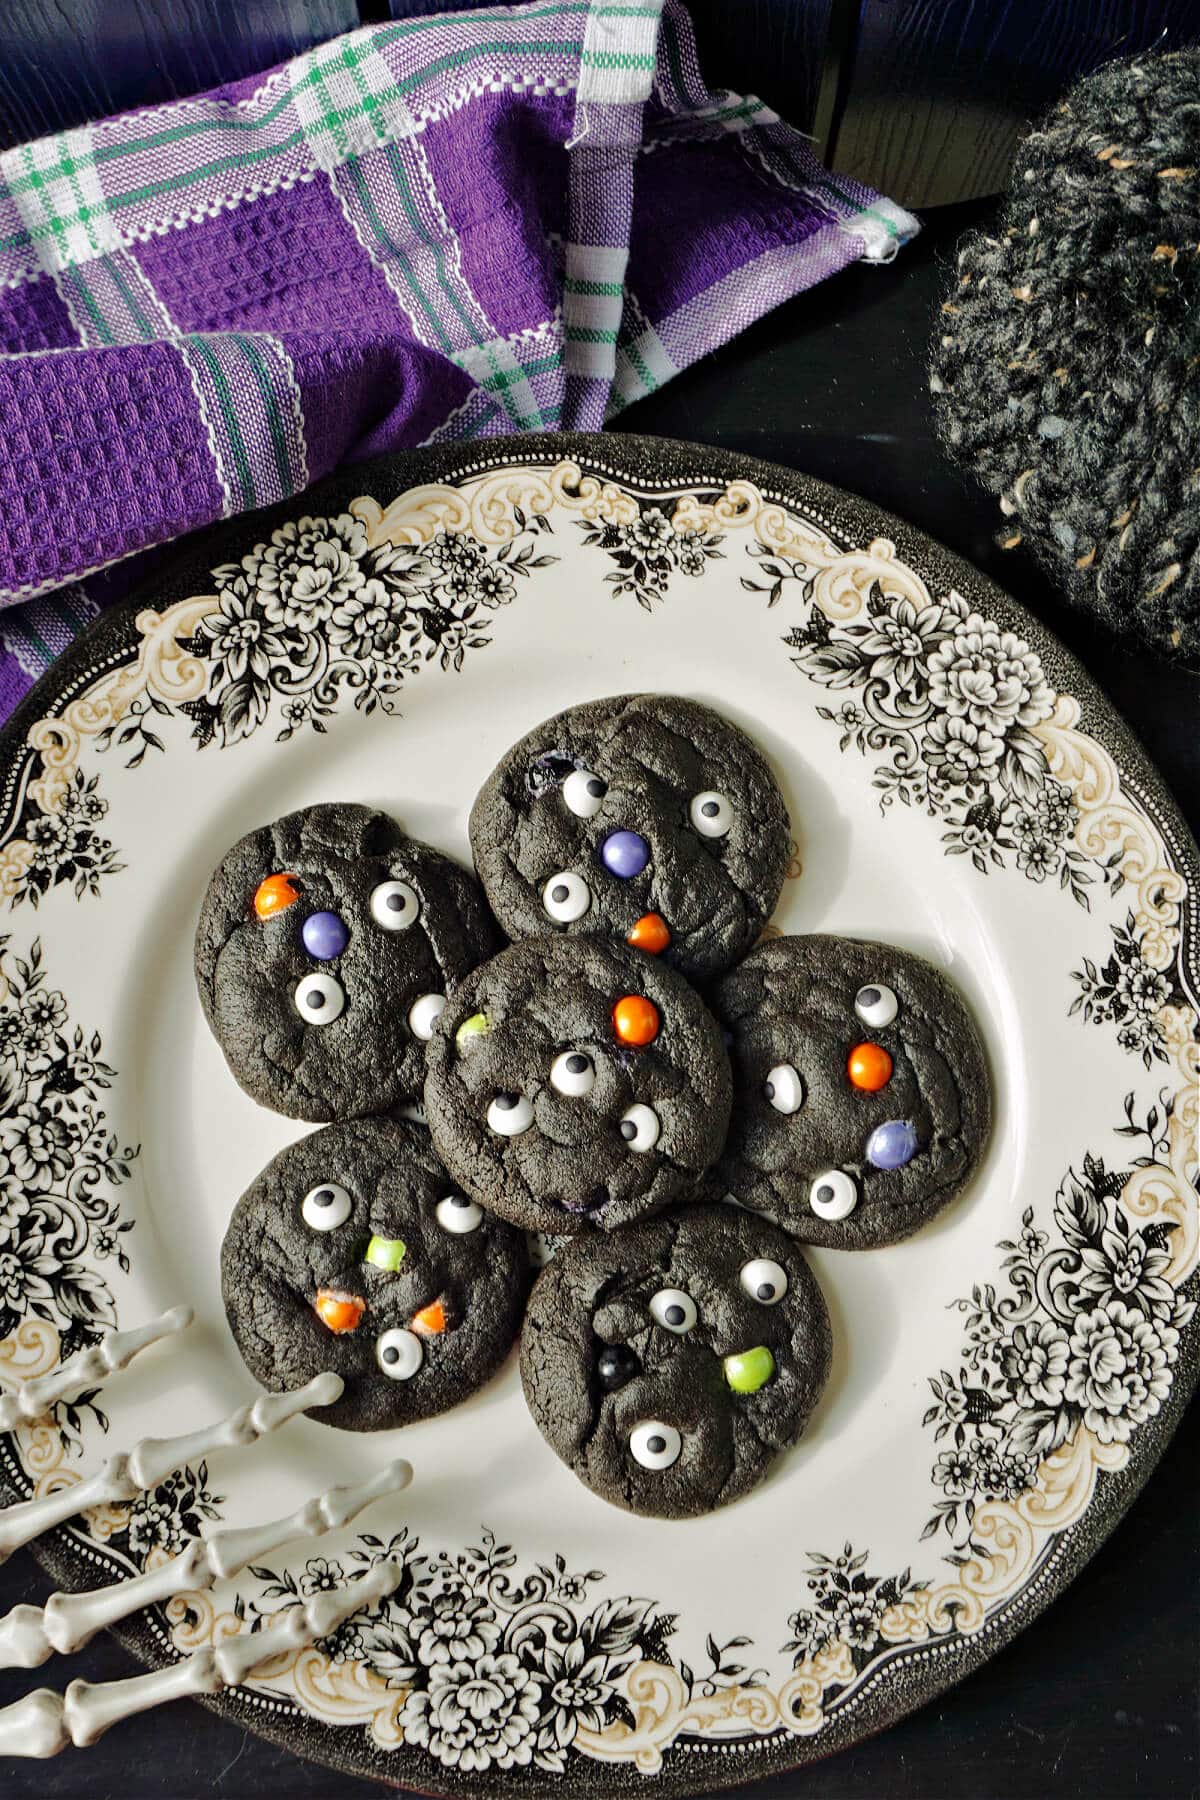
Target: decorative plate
{"points": [[1003, 1382]]}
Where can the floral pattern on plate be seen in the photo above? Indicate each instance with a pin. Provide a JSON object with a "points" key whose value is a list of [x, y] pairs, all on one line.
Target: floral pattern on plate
{"points": [[1074, 1338]]}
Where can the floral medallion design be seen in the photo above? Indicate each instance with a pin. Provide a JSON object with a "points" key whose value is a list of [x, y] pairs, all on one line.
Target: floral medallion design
{"points": [[316, 612], [60, 1218], [313, 614], [1128, 992], [1087, 1336], [491, 1672], [648, 550], [486, 1661], [164, 1519], [67, 845], [846, 1607], [946, 703]]}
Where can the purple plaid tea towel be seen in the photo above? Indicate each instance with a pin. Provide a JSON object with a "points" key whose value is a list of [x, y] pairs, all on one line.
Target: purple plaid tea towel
{"points": [[448, 227]]}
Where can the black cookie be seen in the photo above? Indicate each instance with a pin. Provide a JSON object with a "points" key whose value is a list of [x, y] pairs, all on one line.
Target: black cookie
{"points": [[669, 1364], [576, 1082], [862, 1097], [353, 1252], [645, 815], [326, 944]]}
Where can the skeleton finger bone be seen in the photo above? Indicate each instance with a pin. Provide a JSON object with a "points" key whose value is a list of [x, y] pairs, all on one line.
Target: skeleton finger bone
{"points": [[116, 1351], [43, 1723], [30, 1634], [127, 1474]]}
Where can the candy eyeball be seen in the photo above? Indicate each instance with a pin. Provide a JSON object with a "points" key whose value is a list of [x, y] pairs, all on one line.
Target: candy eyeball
{"points": [[784, 1088], [540, 1249], [764, 1281], [654, 1445], [510, 1114], [584, 793], [876, 1005], [833, 1194], [319, 999], [326, 1207], [711, 814], [458, 1215], [641, 1128], [399, 1354], [424, 1014], [566, 897], [573, 1073], [673, 1310], [394, 905]]}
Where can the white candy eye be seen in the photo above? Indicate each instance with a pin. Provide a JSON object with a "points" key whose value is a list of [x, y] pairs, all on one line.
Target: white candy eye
{"points": [[784, 1088], [540, 1250], [326, 1207], [584, 793], [876, 1005], [510, 1114], [320, 999], [424, 1014], [673, 1310], [833, 1194], [394, 905], [654, 1445], [711, 814], [459, 1215], [641, 1128], [573, 1073], [399, 1354], [566, 897], [764, 1281]]}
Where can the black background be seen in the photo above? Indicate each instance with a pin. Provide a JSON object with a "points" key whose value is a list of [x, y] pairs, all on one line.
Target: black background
{"points": [[1098, 1699]]}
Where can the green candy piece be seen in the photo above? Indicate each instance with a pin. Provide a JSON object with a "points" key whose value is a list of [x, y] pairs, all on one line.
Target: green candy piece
{"points": [[478, 1025], [749, 1370], [385, 1253]]}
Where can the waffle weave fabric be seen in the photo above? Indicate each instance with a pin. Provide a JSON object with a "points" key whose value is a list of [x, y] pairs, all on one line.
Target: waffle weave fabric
{"points": [[444, 228], [1066, 365]]}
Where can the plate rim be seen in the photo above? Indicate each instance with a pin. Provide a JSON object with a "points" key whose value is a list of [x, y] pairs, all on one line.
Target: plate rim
{"points": [[646, 464]]}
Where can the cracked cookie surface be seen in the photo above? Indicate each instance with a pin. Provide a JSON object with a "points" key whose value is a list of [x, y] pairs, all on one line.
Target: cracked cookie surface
{"points": [[559, 1148], [670, 1363], [646, 813], [362, 1215], [325, 944], [862, 1099]]}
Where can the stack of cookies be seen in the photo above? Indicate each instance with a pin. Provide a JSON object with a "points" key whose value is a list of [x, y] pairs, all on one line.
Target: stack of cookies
{"points": [[641, 1097]]}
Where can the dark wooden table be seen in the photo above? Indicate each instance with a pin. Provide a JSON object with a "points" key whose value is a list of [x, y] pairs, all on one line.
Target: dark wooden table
{"points": [[1098, 1699], [924, 102]]}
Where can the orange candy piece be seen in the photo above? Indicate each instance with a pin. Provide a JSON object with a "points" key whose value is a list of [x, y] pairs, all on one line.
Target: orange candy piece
{"points": [[869, 1067], [276, 894], [431, 1320], [651, 934], [338, 1312], [635, 1020]]}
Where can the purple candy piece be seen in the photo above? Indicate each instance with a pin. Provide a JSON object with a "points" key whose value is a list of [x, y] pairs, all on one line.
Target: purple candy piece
{"points": [[892, 1144], [325, 935], [624, 853]]}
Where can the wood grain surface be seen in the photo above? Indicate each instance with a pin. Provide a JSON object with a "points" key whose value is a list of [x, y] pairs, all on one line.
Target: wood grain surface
{"points": [[939, 91], [924, 99], [64, 61]]}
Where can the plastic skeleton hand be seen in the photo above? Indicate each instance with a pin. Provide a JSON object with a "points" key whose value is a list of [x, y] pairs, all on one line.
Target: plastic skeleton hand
{"points": [[45, 1722]]}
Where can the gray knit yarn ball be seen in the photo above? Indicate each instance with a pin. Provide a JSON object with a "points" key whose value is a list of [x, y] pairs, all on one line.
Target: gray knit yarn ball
{"points": [[1066, 367]]}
